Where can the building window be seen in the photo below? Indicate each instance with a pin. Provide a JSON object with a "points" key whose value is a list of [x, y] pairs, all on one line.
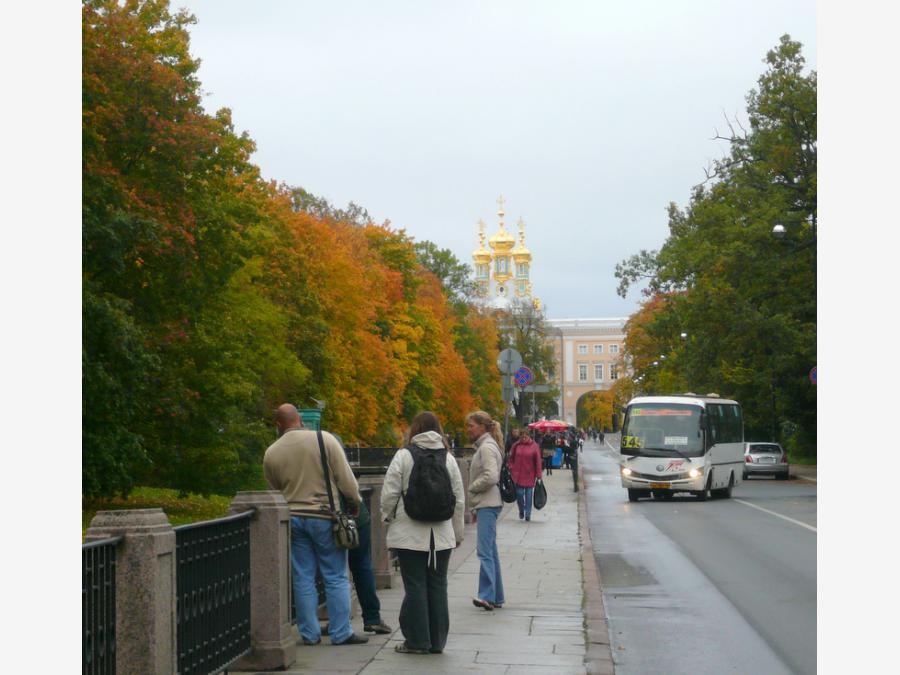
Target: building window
{"points": [[522, 270], [501, 265], [614, 349], [582, 349], [598, 372], [598, 349], [582, 372], [613, 371], [482, 271]]}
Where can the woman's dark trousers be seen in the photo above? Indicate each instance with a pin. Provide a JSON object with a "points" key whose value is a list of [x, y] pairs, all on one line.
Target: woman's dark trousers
{"points": [[424, 615]]}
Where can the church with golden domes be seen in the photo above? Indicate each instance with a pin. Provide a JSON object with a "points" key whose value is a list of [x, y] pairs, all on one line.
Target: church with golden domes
{"points": [[503, 272]]}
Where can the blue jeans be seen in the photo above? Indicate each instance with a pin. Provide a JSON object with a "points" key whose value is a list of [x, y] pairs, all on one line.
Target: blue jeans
{"points": [[524, 496], [490, 583], [360, 560], [312, 544]]}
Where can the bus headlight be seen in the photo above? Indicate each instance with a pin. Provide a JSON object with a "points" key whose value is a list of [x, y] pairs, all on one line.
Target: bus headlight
{"points": [[694, 473], [626, 471]]}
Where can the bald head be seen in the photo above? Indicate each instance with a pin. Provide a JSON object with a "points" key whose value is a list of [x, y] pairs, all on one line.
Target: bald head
{"points": [[287, 417]]}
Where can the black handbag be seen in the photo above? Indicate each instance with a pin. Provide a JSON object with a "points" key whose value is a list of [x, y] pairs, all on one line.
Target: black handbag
{"points": [[540, 495], [343, 525], [507, 485]]}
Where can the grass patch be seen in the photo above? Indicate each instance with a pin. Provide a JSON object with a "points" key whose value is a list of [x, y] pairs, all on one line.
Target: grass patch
{"points": [[180, 510]]}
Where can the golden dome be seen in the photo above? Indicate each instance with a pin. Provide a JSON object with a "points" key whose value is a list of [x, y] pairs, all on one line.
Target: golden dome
{"points": [[481, 254], [502, 241], [520, 253]]}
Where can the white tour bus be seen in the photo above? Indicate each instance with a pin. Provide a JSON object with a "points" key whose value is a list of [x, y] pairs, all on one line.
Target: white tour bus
{"points": [[682, 443]]}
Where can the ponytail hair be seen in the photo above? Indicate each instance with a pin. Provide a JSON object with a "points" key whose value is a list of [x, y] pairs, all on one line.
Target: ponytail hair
{"points": [[492, 427]]}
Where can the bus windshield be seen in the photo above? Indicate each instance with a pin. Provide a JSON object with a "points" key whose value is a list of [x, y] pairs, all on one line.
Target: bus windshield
{"points": [[672, 428]]}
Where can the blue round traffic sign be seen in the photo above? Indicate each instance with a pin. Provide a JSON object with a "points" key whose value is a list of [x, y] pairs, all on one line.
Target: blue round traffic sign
{"points": [[524, 376]]}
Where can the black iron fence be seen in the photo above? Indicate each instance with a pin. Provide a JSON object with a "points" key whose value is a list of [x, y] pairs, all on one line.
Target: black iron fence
{"points": [[213, 593], [98, 607]]}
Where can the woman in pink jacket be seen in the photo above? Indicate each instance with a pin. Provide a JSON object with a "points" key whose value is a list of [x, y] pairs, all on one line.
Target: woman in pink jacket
{"points": [[525, 465]]}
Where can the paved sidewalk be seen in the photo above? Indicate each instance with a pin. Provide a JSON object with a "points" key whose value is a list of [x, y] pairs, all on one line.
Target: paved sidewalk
{"points": [[540, 629]]}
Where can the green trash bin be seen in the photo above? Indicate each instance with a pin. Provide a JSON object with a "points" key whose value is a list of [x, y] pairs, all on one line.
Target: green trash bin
{"points": [[312, 418]]}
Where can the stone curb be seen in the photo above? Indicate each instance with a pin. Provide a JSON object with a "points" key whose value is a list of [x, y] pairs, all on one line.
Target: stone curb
{"points": [[598, 658]]}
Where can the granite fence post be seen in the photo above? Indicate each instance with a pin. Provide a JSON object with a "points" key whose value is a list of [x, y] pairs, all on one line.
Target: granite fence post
{"points": [[381, 560], [146, 628], [464, 464], [273, 644]]}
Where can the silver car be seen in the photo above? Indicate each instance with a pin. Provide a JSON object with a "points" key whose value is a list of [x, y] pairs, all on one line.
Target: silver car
{"points": [[765, 458]]}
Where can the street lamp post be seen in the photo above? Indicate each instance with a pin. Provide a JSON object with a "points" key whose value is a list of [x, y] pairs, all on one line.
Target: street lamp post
{"points": [[780, 233]]}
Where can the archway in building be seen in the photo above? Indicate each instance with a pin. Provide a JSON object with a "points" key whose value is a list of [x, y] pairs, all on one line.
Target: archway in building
{"points": [[593, 405]]}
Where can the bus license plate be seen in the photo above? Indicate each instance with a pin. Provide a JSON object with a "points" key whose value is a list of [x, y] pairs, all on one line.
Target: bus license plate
{"points": [[660, 486]]}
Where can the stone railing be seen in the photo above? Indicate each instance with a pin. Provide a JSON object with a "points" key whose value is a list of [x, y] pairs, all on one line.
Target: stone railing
{"points": [[146, 586], [145, 570]]}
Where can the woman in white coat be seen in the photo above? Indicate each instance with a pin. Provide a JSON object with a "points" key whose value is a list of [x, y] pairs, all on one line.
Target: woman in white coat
{"points": [[423, 548]]}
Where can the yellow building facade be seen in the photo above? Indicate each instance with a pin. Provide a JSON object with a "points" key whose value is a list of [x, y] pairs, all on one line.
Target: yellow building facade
{"points": [[589, 357]]}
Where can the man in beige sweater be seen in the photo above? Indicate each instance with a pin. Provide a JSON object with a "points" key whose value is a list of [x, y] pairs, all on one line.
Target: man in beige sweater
{"points": [[293, 465]]}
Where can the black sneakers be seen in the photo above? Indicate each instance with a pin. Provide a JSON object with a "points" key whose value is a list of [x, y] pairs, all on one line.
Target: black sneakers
{"points": [[380, 628]]}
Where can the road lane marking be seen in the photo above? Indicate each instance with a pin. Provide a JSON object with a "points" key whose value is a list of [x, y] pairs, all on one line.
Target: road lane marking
{"points": [[790, 520]]}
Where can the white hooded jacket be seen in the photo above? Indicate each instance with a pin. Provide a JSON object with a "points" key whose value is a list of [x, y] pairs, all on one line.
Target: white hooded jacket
{"points": [[415, 535]]}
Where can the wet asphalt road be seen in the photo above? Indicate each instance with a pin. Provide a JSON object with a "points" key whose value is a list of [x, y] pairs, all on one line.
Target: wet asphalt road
{"points": [[723, 586]]}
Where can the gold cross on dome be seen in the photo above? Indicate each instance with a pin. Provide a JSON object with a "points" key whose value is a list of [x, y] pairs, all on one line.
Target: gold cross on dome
{"points": [[501, 202]]}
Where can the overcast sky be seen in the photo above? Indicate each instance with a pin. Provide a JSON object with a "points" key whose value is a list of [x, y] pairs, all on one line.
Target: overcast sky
{"points": [[588, 117]]}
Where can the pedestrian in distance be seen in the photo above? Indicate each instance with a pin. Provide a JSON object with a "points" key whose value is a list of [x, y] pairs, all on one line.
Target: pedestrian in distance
{"points": [[548, 449], [424, 503], [293, 465], [511, 439], [525, 466], [485, 501]]}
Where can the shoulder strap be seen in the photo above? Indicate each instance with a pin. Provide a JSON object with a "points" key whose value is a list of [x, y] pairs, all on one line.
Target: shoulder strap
{"points": [[325, 469]]}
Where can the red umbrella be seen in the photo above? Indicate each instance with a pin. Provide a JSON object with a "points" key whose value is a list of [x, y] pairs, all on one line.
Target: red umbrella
{"points": [[548, 425]]}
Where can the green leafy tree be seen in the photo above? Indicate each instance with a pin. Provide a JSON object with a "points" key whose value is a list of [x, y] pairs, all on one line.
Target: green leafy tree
{"points": [[744, 299], [455, 277]]}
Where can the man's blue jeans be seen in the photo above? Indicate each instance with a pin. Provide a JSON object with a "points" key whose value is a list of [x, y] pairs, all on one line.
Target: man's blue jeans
{"points": [[524, 497], [490, 583], [312, 544]]}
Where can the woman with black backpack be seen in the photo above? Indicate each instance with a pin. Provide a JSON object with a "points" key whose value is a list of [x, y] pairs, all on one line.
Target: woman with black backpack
{"points": [[424, 503]]}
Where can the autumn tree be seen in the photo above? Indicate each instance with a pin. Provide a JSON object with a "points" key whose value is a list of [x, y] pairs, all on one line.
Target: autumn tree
{"points": [[210, 296], [168, 198], [595, 409]]}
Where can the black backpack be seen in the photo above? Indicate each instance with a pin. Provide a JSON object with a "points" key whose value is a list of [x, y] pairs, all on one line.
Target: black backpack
{"points": [[429, 496]]}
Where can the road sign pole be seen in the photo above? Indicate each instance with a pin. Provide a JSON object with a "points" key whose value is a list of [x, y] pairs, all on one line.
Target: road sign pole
{"points": [[508, 362], [509, 380]]}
